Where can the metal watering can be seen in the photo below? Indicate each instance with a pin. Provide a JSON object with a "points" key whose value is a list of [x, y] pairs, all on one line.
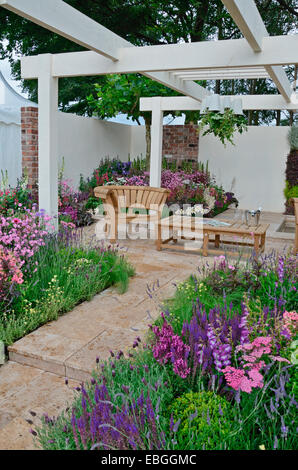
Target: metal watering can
{"points": [[252, 218]]}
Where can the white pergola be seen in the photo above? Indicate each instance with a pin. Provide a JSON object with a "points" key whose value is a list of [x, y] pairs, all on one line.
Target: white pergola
{"points": [[257, 55]]}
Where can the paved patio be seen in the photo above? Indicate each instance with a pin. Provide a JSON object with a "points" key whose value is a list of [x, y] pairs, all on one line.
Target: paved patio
{"points": [[34, 377]]}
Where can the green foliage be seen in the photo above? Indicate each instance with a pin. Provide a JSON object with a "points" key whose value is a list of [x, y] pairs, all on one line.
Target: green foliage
{"points": [[206, 420], [293, 137], [121, 94], [187, 167], [223, 125], [290, 192]]}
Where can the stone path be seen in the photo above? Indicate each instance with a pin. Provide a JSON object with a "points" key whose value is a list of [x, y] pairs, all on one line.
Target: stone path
{"points": [[34, 377]]}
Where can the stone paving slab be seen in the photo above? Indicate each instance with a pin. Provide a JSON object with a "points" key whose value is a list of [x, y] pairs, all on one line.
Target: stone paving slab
{"points": [[16, 436], [14, 377], [24, 390]]}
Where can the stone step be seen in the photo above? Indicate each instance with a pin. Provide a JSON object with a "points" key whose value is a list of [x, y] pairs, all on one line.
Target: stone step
{"points": [[26, 391], [69, 346]]}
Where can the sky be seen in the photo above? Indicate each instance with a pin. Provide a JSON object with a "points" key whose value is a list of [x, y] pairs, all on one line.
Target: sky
{"points": [[5, 69]]}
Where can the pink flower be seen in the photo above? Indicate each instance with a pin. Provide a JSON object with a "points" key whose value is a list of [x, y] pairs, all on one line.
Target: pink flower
{"points": [[249, 376], [238, 380], [170, 347], [290, 322], [280, 359]]}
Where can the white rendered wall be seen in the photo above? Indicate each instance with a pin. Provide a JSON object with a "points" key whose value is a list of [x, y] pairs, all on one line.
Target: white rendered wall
{"points": [[84, 141], [254, 169], [10, 144], [137, 141]]}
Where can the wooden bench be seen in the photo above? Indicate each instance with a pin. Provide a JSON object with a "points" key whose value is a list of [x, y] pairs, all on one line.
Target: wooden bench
{"points": [[122, 202], [196, 227]]}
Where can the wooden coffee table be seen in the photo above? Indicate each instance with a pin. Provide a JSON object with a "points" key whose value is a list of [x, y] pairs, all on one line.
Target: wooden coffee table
{"points": [[194, 225]]}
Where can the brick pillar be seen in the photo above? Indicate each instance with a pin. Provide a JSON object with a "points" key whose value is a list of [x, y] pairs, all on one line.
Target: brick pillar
{"points": [[29, 130], [181, 143]]}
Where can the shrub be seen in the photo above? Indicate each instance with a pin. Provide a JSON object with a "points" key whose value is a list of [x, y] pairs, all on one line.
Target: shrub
{"points": [[204, 421], [73, 205], [291, 170]]}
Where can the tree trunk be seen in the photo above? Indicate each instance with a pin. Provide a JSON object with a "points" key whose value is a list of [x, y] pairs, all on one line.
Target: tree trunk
{"points": [[251, 92], [294, 89], [278, 117], [219, 37], [217, 87], [148, 142]]}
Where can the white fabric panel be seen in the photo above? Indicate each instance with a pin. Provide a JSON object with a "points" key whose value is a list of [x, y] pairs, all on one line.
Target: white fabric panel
{"points": [[10, 143], [10, 115]]}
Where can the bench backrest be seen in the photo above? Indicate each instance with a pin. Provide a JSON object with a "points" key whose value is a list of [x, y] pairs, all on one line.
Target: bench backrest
{"points": [[123, 197]]}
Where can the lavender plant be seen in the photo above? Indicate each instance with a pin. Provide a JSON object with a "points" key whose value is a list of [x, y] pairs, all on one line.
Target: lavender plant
{"points": [[123, 407]]}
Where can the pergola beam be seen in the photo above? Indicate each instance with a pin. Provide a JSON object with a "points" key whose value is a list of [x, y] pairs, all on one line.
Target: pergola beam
{"points": [[249, 21], [223, 70], [250, 102], [233, 53], [223, 75]]}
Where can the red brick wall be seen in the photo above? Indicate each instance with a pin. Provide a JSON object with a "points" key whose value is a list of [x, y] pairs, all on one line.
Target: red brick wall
{"points": [[29, 133], [181, 143]]}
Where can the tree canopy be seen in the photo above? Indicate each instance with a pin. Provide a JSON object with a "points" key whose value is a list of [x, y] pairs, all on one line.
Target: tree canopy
{"points": [[143, 22]]}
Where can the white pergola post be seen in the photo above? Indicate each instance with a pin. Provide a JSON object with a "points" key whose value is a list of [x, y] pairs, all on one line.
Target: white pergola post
{"points": [[156, 143], [47, 138]]}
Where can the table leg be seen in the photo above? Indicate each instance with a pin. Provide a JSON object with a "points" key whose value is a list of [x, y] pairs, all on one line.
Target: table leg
{"points": [[217, 240], [205, 244], [158, 239], [256, 244], [114, 228], [175, 236], [263, 240]]}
